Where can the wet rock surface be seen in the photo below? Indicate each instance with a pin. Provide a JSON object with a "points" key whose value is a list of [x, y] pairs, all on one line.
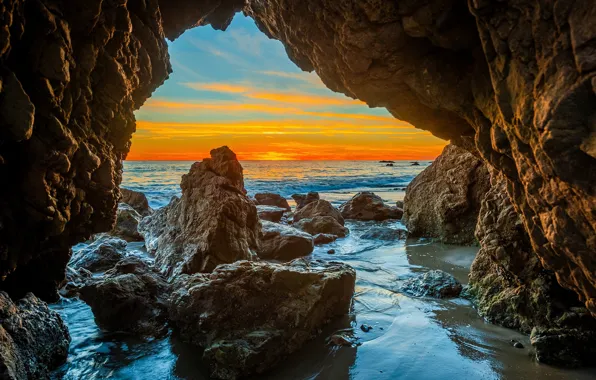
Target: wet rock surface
{"points": [[318, 208], [127, 223], [434, 283], [304, 199], [102, 254], [327, 225], [271, 199], [320, 239], [443, 201], [282, 306], [33, 339], [369, 206], [130, 297], [281, 242], [213, 223], [136, 200], [270, 213]]}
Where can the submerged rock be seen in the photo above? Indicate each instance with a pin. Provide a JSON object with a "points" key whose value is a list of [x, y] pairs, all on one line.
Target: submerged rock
{"points": [[270, 213], [131, 297], [322, 225], [443, 201], [368, 206], [100, 255], [127, 223], [248, 316], [284, 243], [318, 208], [136, 200], [33, 339], [271, 199], [434, 283], [304, 199], [213, 223], [385, 233]]}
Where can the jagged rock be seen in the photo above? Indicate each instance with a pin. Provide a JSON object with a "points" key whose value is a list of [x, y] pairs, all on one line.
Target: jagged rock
{"points": [[101, 254], [271, 199], [304, 199], [400, 205], [75, 279], [127, 223], [213, 223], [444, 200], [136, 200], [130, 297], [283, 243], [434, 283], [320, 239], [322, 225], [270, 213], [33, 339], [368, 206], [282, 306], [384, 233], [318, 208]]}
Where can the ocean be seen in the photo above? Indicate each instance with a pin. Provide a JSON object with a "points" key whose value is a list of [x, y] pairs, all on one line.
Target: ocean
{"points": [[336, 181]]}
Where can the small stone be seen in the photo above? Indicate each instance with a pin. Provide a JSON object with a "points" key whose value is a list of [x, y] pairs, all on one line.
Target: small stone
{"points": [[518, 345], [331, 251], [365, 327]]}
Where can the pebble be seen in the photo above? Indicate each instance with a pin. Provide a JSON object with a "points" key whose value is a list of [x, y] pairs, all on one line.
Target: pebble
{"points": [[516, 344], [331, 251], [365, 327]]}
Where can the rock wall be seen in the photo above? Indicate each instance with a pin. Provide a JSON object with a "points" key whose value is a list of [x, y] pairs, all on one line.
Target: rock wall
{"points": [[511, 81]]}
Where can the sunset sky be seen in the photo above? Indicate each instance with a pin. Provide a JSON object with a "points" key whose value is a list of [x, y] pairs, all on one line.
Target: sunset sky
{"points": [[239, 88]]}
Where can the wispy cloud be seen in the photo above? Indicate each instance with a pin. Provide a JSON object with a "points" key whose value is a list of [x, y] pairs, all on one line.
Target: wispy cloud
{"points": [[218, 87]]}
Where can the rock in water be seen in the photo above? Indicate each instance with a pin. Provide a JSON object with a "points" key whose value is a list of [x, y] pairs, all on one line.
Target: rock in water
{"points": [[321, 239], [250, 315], [304, 199], [368, 206], [384, 233], [444, 200], [284, 243], [434, 283], [322, 225], [213, 223], [127, 223], [318, 208], [271, 199], [33, 339], [130, 297], [270, 213], [100, 255], [136, 200]]}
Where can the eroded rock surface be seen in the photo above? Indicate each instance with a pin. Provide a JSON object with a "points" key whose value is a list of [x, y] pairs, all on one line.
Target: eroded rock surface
{"points": [[102, 254], [33, 339], [282, 306], [213, 223], [434, 283], [270, 213], [284, 243], [127, 223], [304, 199], [443, 201], [136, 200], [271, 199], [369, 206]]}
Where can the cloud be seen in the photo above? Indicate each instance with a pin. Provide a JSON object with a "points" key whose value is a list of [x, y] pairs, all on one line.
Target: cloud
{"points": [[218, 87]]}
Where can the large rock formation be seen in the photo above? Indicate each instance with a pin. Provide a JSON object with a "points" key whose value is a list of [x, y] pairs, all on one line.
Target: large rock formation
{"points": [[213, 223], [248, 316], [33, 339], [444, 200], [511, 81]]}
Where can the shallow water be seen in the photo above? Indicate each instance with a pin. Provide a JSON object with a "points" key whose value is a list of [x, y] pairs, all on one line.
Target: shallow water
{"points": [[412, 338]]}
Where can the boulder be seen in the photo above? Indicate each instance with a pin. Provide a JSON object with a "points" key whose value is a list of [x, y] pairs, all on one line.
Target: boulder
{"points": [[130, 297], [434, 283], [75, 279], [320, 239], [33, 339], [384, 233], [127, 223], [213, 223], [368, 206], [322, 225], [136, 200], [248, 316], [443, 201], [100, 255], [284, 243], [564, 347], [400, 204], [271, 199], [270, 213], [304, 199], [318, 208]]}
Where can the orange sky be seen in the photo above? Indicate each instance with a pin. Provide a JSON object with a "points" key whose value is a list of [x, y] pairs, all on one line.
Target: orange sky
{"points": [[239, 89]]}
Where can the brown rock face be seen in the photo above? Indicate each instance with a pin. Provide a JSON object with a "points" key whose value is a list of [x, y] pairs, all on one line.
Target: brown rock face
{"points": [[271, 199], [444, 200], [136, 200], [248, 316], [369, 206], [284, 243], [318, 208], [304, 199], [213, 223]]}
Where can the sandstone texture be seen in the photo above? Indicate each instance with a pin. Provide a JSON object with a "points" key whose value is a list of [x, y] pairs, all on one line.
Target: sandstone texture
{"points": [[434, 283], [213, 223], [33, 339], [130, 297], [304, 199], [271, 199], [284, 243], [281, 307], [444, 200], [368, 206], [136, 200]]}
